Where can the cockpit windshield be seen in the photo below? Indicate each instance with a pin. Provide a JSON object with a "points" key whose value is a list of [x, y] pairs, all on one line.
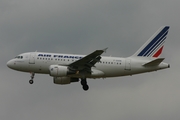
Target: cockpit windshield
{"points": [[19, 57]]}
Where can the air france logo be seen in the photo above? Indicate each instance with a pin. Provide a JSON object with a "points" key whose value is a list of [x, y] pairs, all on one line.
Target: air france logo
{"points": [[59, 56]]}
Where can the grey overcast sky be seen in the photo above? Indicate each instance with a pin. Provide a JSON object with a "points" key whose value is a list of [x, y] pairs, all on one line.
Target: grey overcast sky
{"points": [[80, 27]]}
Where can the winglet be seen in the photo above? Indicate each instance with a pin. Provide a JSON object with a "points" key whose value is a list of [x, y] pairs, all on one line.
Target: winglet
{"points": [[154, 62], [104, 50]]}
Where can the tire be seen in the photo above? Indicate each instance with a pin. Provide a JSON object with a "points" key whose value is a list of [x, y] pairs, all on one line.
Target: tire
{"points": [[31, 81], [85, 87]]}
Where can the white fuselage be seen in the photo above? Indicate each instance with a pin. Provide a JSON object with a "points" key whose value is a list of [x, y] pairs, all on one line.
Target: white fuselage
{"points": [[67, 68], [39, 62]]}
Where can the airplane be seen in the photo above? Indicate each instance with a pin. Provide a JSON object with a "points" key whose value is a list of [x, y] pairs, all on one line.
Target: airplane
{"points": [[68, 68]]}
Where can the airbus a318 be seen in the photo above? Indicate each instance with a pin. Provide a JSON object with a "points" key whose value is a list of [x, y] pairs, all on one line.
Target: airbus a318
{"points": [[68, 68]]}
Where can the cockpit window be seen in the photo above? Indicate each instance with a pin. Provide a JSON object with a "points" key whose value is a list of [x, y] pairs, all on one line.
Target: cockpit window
{"points": [[19, 57]]}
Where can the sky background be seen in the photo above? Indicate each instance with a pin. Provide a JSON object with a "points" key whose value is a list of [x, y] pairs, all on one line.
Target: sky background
{"points": [[80, 27]]}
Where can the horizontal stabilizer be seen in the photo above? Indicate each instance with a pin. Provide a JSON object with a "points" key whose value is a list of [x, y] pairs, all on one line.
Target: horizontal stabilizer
{"points": [[154, 62]]}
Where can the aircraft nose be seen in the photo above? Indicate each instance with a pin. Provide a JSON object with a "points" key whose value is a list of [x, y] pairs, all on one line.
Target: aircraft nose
{"points": [[10, 64]]}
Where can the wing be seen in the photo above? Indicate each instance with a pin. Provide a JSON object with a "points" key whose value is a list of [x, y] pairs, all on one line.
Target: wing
{"points": [[87, 62]]}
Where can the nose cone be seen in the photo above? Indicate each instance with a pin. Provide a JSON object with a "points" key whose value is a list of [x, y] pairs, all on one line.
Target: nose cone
{"points": [[10, 64]]}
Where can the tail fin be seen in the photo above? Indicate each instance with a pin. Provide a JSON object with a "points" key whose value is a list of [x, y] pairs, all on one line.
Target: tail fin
{"points": [[154, 46]]}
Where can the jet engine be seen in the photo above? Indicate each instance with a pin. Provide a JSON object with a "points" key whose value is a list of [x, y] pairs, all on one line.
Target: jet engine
{"points": [[64, 80], [58, 71]]}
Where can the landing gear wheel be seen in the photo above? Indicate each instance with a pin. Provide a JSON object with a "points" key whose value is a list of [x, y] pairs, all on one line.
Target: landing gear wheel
{"points": [[31, 81], [85, 87], [84, 84], [32, 77]]}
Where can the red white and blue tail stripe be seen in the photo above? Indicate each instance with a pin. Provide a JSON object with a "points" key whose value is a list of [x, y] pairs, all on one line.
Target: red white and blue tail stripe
{"points": [[154, 46]]}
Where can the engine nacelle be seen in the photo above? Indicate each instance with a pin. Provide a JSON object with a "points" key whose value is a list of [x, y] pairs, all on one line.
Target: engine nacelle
{"points": [[64, 80], [58, 71]]}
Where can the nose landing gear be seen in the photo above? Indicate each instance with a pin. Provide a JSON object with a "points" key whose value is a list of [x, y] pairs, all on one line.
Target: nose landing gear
{"points": [[32, 77]]}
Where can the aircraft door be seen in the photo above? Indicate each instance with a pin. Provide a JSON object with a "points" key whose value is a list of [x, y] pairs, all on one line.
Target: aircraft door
{"points": [[128, 64], [32, 58]]}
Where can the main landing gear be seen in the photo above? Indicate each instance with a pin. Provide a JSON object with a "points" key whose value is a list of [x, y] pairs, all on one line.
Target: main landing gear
{"points": [[84, 84], [32, 77]]}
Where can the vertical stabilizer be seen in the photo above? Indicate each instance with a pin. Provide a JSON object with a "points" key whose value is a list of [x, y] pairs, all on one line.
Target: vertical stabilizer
{"points": [[154, 46]]}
